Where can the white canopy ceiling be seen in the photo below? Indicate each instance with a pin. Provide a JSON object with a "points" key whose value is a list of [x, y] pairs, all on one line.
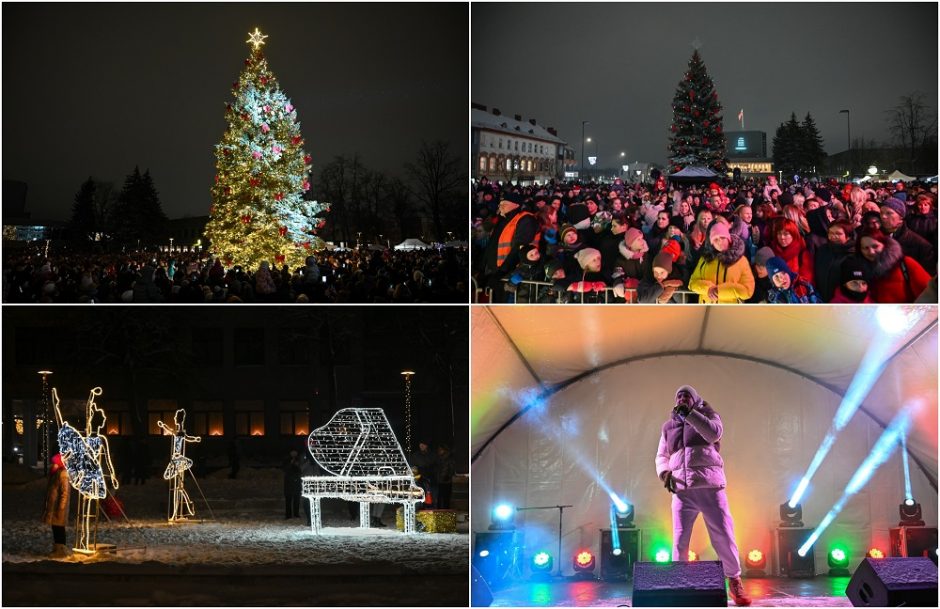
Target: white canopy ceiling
{"points": [[568, 399]]}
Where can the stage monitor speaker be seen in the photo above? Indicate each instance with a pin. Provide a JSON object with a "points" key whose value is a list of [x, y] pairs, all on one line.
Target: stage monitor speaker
{"points": [[494, 555], [790, 563], [480, 594], [679, 584], [893, 582], [619, 567], [914, 542]]}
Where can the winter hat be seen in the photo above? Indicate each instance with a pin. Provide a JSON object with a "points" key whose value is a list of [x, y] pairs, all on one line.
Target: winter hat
{"points": [[663, 260], [823, 194], [779, 265], [852, 269], [551, 267], [565, 229], [786, 198], [631, 235], [896, 205], [578, 213], [719, 229], [524, 251], [512, 197], [57, 462], [762, 255], [696, 398], [583, 254]]}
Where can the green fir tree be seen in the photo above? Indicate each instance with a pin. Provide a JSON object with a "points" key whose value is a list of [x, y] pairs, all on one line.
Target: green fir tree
{"points": [[697, 135]]}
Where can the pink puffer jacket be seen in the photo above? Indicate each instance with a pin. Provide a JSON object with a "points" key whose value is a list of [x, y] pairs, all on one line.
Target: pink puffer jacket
{"points": [[689, 449]]}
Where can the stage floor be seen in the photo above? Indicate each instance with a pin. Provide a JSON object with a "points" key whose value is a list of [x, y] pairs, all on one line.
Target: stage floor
{"points": [[821, 591]]}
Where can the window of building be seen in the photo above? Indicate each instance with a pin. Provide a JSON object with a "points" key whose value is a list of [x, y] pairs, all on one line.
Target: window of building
{"points": [[294, 346], [508, 165], [492, 163], [482, 163], [500, 143], [295, 418], [517, 146], [208, 346], [207, 418], [160, 410], [249, 346], [118, 416], [249, 417]]}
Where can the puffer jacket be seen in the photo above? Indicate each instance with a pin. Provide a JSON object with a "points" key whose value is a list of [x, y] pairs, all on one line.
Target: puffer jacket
{"points": [[56, 509], [729, 270], [689, 449]]}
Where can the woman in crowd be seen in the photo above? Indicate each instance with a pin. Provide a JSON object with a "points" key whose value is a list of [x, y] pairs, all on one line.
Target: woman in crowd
{"points": [[722, 273], [894, 276]]}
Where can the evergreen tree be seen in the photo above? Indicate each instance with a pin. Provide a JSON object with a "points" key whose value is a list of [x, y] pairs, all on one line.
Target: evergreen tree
{"points": [[84, 224], [697, 135], [812, 153], [138, 215], [787, 145], [258, 209]]}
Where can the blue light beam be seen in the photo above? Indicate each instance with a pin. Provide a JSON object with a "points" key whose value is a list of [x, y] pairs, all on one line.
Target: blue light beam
{"points": [[880, 453], [908, 496]]}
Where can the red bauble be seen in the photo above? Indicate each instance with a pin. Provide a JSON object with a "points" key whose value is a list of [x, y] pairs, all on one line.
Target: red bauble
{"points": [[216, 179], [306, 245], [279, 258], [264, 80], [279, 196], [246, 219], [245, 116], [211, 209], [321, 223], [705, 123], [695, 113], [718, 129], [308, 159], [247, 62], [691, 94], [228, 190], [228, 261], [704, 141], [715, 94], [254, 181], [282, 231], [686, 108], [296, 140], [235, 85], [673, 128]]}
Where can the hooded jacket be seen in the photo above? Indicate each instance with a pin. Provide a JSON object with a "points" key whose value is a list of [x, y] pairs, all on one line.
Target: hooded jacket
{"points": [[688, 447], [56, 509], [888, 282], [729, 270]]}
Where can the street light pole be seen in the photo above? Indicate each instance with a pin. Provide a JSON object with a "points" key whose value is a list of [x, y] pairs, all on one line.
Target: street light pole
{"points": [[583, 123]]}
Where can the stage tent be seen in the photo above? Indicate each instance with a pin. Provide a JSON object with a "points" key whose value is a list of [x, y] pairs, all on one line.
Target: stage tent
{"points": [[412, 244], [896, 175], [568, 402]]}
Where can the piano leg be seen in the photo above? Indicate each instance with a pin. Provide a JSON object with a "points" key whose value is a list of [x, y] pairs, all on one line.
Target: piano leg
{"points": [[409, 517], [315, 524], [365, 515]]}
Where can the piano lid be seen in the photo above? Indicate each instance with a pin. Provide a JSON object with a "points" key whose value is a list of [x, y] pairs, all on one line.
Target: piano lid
{"points": [[358, 442]]}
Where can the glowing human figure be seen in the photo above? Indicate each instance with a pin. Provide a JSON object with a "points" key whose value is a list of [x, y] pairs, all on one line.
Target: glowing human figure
{"points": [[181, 505], [83, 457]]}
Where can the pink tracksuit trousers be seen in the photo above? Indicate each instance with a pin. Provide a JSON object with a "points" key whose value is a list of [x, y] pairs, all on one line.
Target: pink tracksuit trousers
{"points": [[712, 503]]}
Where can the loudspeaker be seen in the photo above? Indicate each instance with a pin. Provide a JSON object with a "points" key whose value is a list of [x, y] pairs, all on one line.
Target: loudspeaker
{"points": [[494, 555], [789, 562], [892, 582], [914, 542], [619, 567], [480, 595], [679, 584]]}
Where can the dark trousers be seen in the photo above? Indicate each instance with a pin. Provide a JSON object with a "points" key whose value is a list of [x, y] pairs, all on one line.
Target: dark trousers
{"points": [[293, 506], [58, 534], [442, 501]]}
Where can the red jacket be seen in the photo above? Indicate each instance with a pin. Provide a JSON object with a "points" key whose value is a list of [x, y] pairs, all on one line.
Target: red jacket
{"points": [[798, 258], [888, 282]]}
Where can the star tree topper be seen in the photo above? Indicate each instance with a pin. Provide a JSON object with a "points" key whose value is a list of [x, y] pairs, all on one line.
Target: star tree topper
{"points": [[256, 39]]}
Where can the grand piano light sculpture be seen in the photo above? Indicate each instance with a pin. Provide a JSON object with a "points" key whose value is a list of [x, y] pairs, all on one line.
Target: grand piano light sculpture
{"points": [[365, 463], [84, 457]]}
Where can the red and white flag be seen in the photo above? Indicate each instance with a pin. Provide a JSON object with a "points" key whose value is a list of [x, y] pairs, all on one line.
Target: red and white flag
{"points": [[741, 115]]}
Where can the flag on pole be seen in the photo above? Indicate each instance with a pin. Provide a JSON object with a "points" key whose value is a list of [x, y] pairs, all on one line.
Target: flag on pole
{"points": [[741, 117]]}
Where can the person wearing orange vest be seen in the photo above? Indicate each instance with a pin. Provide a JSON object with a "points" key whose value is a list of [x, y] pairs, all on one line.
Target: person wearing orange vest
{"points": [[514, 229]]}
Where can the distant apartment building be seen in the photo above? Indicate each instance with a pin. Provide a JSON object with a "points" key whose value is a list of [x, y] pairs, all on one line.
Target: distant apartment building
{"points": [[508, 148]]}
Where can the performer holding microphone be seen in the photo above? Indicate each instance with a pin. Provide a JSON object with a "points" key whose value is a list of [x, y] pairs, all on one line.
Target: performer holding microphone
{"points": [[691, 468]]}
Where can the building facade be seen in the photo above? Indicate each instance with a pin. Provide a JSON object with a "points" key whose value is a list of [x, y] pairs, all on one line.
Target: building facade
{"points": [[747, 151], [510, 149]]}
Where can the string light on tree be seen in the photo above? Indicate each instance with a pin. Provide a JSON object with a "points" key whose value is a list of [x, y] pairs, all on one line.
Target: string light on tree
{"points": [[258, 210], [696, 136], [44, 401], [408, 374], [180, 505], [365, 463], [84, 458]]}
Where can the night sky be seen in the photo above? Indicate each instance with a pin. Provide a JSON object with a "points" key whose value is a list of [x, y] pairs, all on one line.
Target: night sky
{"points": [[618, 65], [93, 89]]}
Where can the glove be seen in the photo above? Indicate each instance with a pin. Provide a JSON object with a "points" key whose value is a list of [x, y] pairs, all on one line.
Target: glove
{"points": [[668, 482], [550, 236], [515, 279]]}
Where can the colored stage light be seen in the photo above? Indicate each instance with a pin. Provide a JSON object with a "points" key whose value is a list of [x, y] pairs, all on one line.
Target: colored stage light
{"points": [[502, 517], [484, 553], [623, 515], [875, 553], [911, 514], [584, 562], [662, 556], [755, 564], [616, 552], [838, 561], [542, 562], [692, 556], [895, 319], [791, 516]]}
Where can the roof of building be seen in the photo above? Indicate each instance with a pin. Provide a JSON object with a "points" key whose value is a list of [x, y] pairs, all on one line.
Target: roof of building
{"points": [[507, 124]]}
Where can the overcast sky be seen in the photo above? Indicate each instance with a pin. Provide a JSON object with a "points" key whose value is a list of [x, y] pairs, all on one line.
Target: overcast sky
{"points": [[617, 65], [94, 89]]}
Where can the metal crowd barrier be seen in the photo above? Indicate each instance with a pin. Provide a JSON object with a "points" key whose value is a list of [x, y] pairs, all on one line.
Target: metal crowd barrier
{"points": [[547, 289]]}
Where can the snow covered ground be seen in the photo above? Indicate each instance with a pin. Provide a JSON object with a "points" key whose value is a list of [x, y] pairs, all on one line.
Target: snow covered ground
{"points": [[243, 553]]}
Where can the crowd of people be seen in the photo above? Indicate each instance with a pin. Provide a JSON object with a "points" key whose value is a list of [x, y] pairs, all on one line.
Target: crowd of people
{"points": [[744, 241], [349, 276]]}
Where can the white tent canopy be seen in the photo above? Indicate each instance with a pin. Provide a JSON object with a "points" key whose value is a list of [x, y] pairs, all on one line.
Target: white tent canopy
{"points": [[568, 402], [412, 244], [694, 173], [898, 176]]}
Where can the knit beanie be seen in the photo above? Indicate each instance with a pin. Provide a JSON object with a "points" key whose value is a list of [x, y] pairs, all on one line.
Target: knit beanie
{"points": [[664, 261], [691, 390], [762, 255], [631, 235], [896, 205]]}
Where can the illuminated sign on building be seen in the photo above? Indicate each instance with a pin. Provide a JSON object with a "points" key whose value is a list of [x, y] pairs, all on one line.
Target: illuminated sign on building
{"points": [[741, 145]]}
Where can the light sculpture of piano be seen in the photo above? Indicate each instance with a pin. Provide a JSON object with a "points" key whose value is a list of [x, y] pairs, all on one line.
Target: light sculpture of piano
{"points": [[365, 463]]}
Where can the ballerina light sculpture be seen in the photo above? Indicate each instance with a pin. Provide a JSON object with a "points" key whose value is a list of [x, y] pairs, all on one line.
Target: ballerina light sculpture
{"points": [[84, 457], [180, 505]]}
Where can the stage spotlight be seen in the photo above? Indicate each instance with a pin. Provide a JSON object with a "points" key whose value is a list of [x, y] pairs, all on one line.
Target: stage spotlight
{"points": [[838, 561], [617, 552], [484, 553], [692, 556], [541, 563], [584, 563], [894, 319], [663, 555], [875, 553], [755, 564], [623, 515], [791, 517], [911, 514], [502, 517]]}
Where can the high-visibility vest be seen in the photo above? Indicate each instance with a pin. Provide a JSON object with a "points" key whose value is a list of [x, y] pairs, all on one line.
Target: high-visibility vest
{"points": [[504, 245]]}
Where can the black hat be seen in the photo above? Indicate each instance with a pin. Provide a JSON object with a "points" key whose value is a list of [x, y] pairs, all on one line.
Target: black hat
{"points": [[824, 194], [512, 197], [578, 212], [852, 268]]}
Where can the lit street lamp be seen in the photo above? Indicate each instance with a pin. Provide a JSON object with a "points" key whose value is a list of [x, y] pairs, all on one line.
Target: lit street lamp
{"points": [[583, 123]]}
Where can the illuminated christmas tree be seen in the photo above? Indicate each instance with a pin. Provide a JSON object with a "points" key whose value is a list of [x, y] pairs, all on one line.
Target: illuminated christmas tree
{"points": [[696, 135], [258, 209]]}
